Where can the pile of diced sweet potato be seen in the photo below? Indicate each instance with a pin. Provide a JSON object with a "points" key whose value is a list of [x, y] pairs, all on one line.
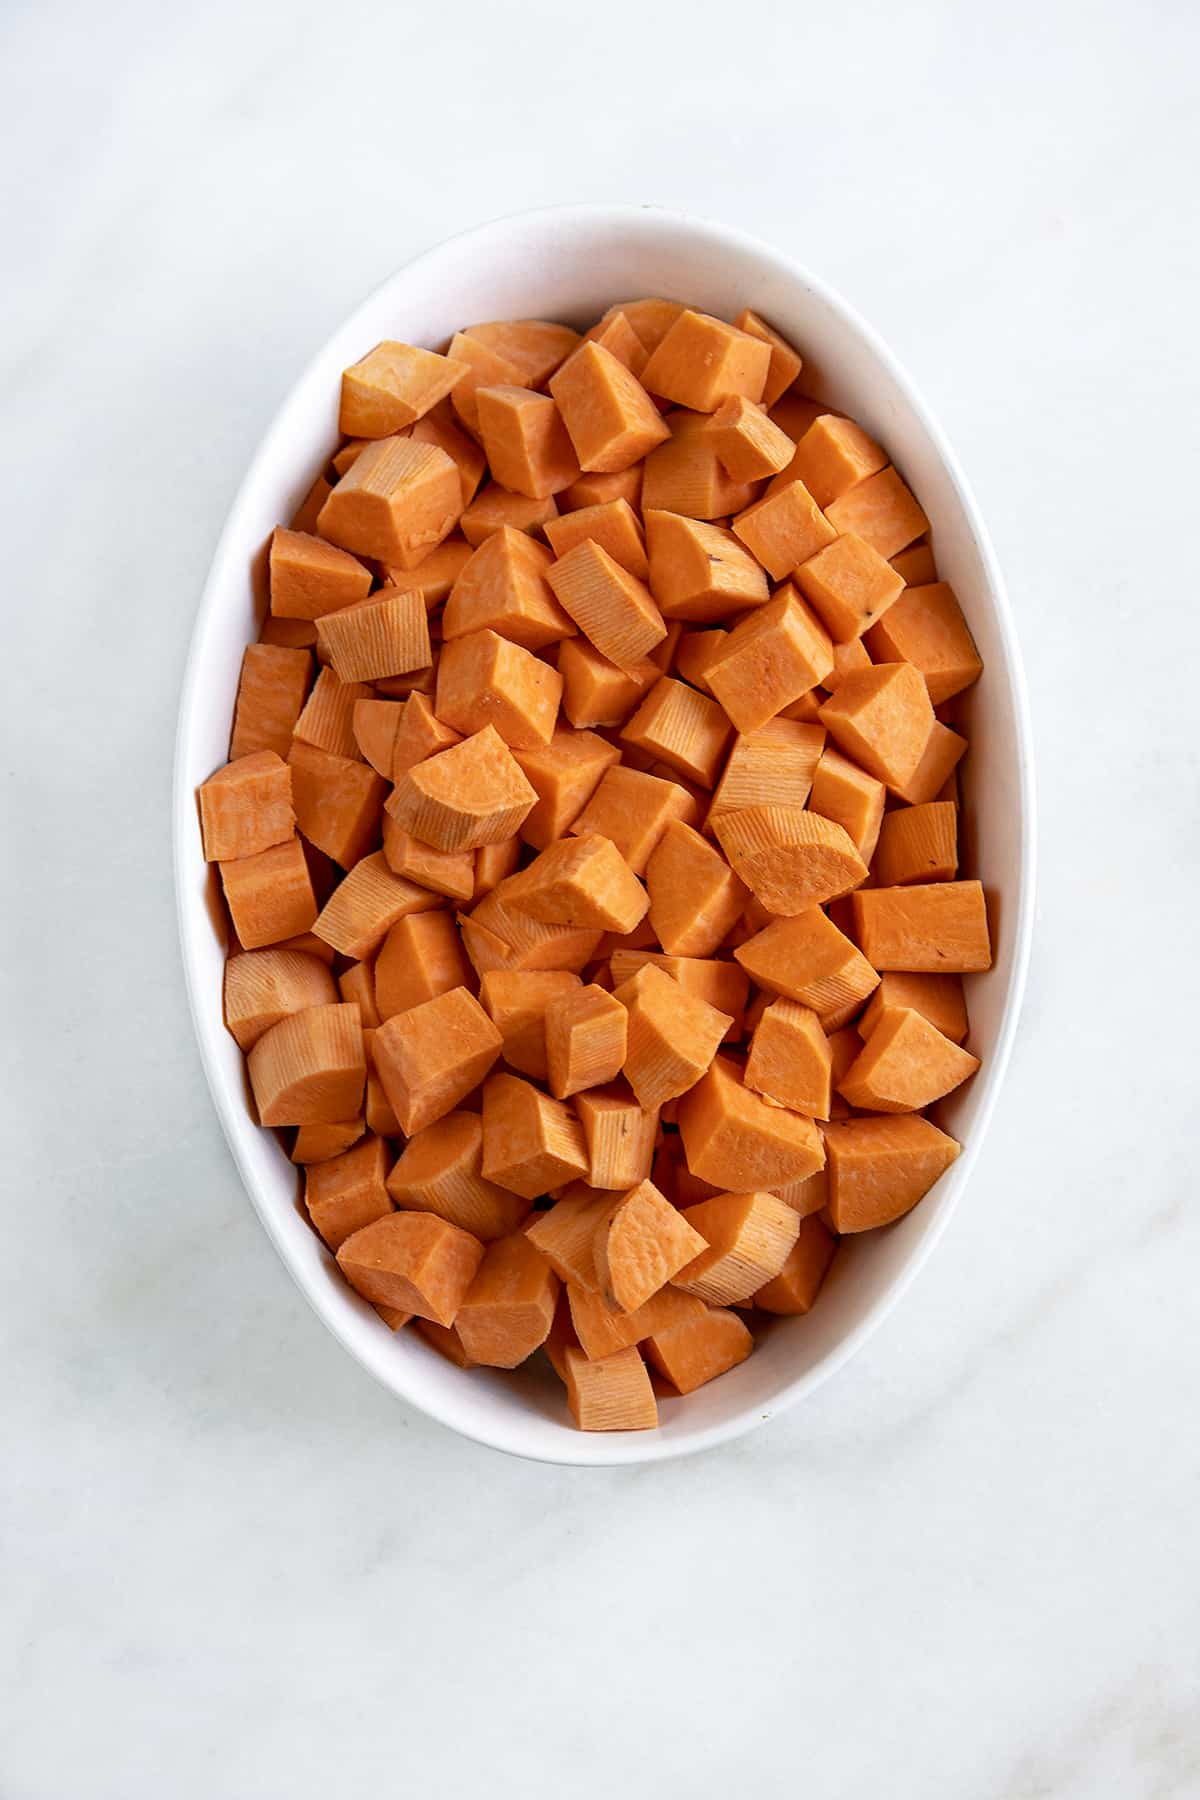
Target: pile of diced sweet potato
{"points": [[596, 913]]}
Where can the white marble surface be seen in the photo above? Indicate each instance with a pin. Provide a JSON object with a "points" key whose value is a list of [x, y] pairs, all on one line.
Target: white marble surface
{"points": [[231, 1566]]}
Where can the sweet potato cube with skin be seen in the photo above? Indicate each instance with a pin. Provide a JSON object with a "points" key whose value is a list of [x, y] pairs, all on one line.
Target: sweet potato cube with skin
{"points": [[833, 456], [785, 362], [798, 1283], [348, 1192], [327, 718], [880, 1167], [361, 910], [771, 657], [613, 525], [516, 1001], [790, 1059], [938, 997], [918, 843], [447, 872], [585, 1040], [611, 419], [387, 635], [431, 1056], [926, 628], [269, 895], [440, 426], [582, 881], [246, 807], [619, 1134], [495, 507], [943, 752], [262, 987], [534, 346], [640, 1243], [271, 690], [615, 334], [938, 929], [789, 858], [685, 474], [472, 794], [309, 577], [375, 724], [611, 1394], [843, 792], [531, 1143], [749, 446], [672, 1036], [525, 441], [784, 529], [566, 1234], [695, 898], [507, 1311], [413, 1262], [681, 728], [398, 501], [484, 679], [503, 588], [338, 800], [730, 1133], [849, 586], [747, 1238], [611, 607], [916, 564], [702, 361], [806, 958], [881, 511], [420, 735], [440, 1171], [596, 691], [391, 387], [772, 766], [309, 1069], [565, 773], [697, 1350], [634, 810], [881, 719], [905, 1065], [421, 957]]}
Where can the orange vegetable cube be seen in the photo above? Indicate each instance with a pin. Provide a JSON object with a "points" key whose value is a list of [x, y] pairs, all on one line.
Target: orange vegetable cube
{"points": [[833, 456], [356, 985], [672, 1035], [327, 718], [486, 680], [431, 1056], [749, 446], [531, 1143], [772, 766], [613, 525], [685, 474], [747, 1238], [798, 1283], [503, 588], [619, 1134], [916, 564], [419, 735], [611, 419], [447, 872], [806, 958], [610, 1394], [881, 511], [495, 507], [507, 1312], [421, 957], [309, 577], [905, 1065], [849, 586], [681, 728], [785, 362], [246, 807], [790, 1059], [269, 895], [695, 898], [771, 657], [412, 1262], [784, 529], [398, 501], [843, 792], [440, 1171], [596, 691], [391, 387], [918, 843], [525, 441], [940, 928], [263, 986], [581, 881], [338, 802], [702, 361], [640, 1243], [926, 628], [360, 911], [375, 724], [309, 1069], [585, 1040], [880, 1167], [565, 773], [694, 1351], [881, 719], [316, 1144], [387, 635], [938, 997], [941, 756], [730, 1133], [634, 810], [611, 607], [789, 858], [349, 1191], [535, 347], [271, 690], [440, 427], [566, 1234], [472, 794], [516, 1001]]}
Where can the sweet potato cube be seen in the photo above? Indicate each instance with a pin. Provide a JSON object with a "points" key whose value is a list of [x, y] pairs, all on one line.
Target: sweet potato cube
{"points": [[641, 1242], [263, 986], [850, 587], [834, 455], [317, 1144], [614, 333], [309, 1069], [431, 1056], [673, 1035], [375, 724], [918, 843], [694, 1351], [806, 958], [565, 772], [695, 898], [484, 679], [442, 1338], [905, 1065], [681, 728], [309, 577], [695, 654], [421, 957], [499, 935], [731, 1134], [601, 1330], [938, 997], [749, 446], [585, 1040], [269, 895], [611, 419], [534, 346], [619, 1134], [472, 794], [788, 857], [348, 1192], [419, 735], [941, 756], [926, 627], [361, 910], [650, 318], [784, 529], [525, 441], [881, 511], [881, 719], [790, 1059], [772, 766], [880, 1167], [566, 1234], [516, 1001], [494, 863], [747, 1238], [271, 690], [937, 929], [447, 872], [246, 807], [613, 525], [495, 507], [327, 718], [720, 984], [798, 1283], [582, 881], [599, 489], [531, 1143], [610, 1394], [338, 800], [378, 1109], [440, 1170], [916, 564], [356, 985], [702, 361], [387, 635], [848, 659], [685, 475], [507, 1311], [785, 362], [770, 658], [611, 607], [596, 691], [843, 792], [413, 1262], [305, 516], [439, 426], [485, 367], [634, 810], [398, 501], [503, 588], [391, 387]]}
